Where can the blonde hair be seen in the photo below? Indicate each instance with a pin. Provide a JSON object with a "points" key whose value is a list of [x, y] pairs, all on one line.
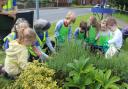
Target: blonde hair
{"points": [[30, 34], [104, 20], [111, 21], [20, 23], [71, 15]]}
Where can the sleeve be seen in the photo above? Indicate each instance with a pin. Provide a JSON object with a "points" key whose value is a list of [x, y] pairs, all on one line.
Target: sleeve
{"points": [[49, 44], [76, 33], [97, 36], [57, 28], [36, 43], [14, 3], [114, 39], [43, 55], [6, 44], [23, 58], [70, 33]]}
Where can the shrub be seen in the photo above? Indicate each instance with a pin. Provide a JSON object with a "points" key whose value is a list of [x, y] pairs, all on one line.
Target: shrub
{"points": [[35, 76], [118, 64], [66, 55], [83, 75]]}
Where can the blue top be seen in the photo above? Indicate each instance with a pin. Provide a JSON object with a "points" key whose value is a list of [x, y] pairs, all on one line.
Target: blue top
{"points": [[14, 3], [58, 27], [76, 33]]}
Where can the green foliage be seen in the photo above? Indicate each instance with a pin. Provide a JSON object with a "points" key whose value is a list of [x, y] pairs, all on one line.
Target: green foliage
{"points": [[66, 55], [124, 86], [2, 56], [120, 4], [35, 76], [122, 17], [82, 74], [105, 81]]}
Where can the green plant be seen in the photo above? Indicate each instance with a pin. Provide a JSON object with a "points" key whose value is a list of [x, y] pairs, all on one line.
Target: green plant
{"points": [[81, 74], [66, 55], [35, 76], [124, 86], [104, 80]]}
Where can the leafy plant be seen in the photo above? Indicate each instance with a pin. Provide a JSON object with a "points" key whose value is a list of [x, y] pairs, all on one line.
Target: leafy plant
{"points": [[105, 81], [81, 74], [35, 76]]}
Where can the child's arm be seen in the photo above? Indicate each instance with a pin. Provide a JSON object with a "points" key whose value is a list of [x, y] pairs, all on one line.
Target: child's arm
{"points": [[40, 53], [57, 28], [70, 33], [76, 33], [97, 37], [6, 44], [115, 38], [49, 44]]}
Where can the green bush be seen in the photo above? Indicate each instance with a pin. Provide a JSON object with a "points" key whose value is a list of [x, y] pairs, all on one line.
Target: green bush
{"points": [[35, 76], [118, 64], [83, 75], [66, 55]]}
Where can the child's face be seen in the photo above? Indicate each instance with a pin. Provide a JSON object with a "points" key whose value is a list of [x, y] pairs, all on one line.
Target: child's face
{"points": [[3, 2], [111, 27], [103, 26]]}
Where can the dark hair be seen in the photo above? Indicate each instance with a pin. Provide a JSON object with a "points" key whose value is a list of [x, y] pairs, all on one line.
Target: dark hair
{"points": [[84, 27]]}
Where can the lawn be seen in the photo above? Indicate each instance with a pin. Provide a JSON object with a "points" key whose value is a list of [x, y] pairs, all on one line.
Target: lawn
{"points": [[4, 81]]}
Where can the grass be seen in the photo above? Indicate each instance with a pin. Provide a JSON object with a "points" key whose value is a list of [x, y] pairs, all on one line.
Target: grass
{"points": [[65, 58], [82, 6], [122, 17]]}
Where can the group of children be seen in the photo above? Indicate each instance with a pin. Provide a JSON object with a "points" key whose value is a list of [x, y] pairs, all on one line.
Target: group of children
{"points": [[25, 44], [99, 36]]}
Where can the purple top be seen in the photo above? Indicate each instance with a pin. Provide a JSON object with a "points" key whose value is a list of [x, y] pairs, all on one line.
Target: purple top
{"points": [[125, 31]]}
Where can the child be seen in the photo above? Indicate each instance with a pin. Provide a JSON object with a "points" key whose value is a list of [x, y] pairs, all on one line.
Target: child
{"points": [[63, 29], [20, 24], [92, 30], [80, 33], [117, 38], [17, 53], [102, 37], [41, 27]]}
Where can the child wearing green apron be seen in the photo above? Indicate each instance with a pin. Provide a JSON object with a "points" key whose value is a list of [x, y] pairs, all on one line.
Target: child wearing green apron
{"points": [[80, 33], [63, 31], [102, 37]]}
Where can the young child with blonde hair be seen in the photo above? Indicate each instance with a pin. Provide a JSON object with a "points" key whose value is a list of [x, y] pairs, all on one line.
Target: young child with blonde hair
{"points": [[20, 24], [17, 54], [103, 36], [63, 30], [117, 37]]}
